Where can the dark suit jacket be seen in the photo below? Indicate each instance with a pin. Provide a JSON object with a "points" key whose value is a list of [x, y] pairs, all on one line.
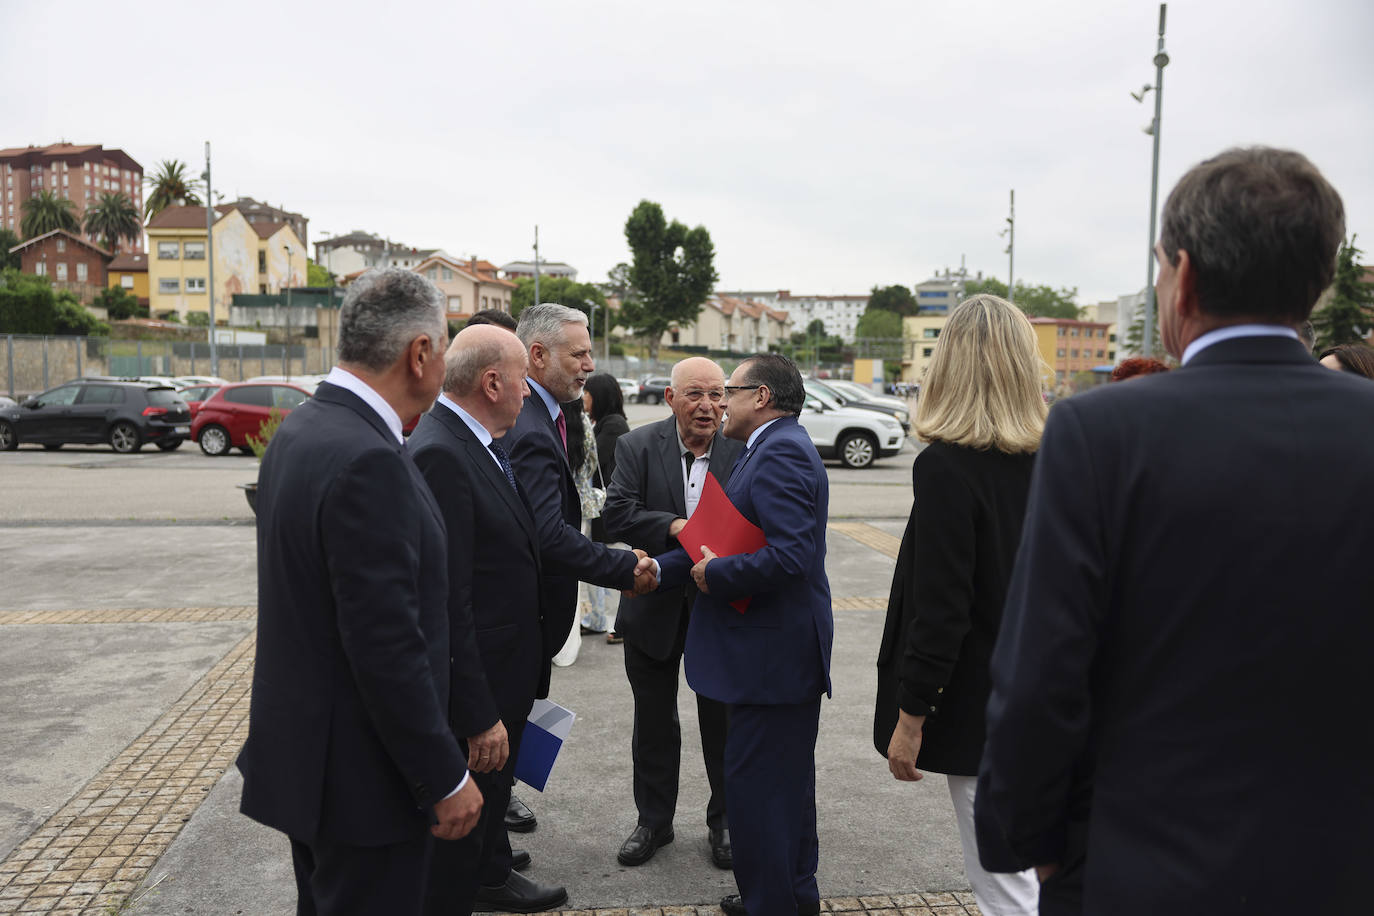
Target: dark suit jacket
{"points": [[500, 662], [541, 466], [1189, 620], [347, 737], [609, 429], [644, 498], [778, 651], [946, 603]]}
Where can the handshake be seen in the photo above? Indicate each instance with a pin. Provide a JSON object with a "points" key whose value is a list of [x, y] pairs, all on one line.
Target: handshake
{"points": [[645, 580]]}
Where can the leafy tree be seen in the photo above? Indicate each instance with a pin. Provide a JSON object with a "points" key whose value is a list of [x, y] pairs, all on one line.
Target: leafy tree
{"points": [[70, 317], [1037, 301], [198, 319], [28, 305], [112, 218], [44, 212], [1349, 312], [673, 273], [562, 290], [896, 299], [169, 185], [317, 275], [875, 323], [119, 304], [7, 241]]}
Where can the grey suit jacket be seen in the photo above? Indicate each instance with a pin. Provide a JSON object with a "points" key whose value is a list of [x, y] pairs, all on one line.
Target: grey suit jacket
{"points": [[645, 496]]}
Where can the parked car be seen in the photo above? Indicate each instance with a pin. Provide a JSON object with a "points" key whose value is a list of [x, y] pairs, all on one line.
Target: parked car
{"points": [[195, 395], [126, 414], [629, 389], [844, 386], [857, 436], [236, 411], [308, 382], [186, 381], [651, 389], [8, 402], [862, 399]]}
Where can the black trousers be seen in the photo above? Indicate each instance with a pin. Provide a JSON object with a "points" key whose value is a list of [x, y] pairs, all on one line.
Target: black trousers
{"points": [[656, 745], [337, 880]]}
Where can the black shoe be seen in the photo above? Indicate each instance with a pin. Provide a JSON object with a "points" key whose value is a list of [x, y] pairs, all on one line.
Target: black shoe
{"points": [[519, 895], [721, 854], [519, 859], [733, 905], [519, 818], [640, 846]]}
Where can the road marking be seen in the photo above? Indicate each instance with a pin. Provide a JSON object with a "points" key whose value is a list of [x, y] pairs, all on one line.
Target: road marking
{"points": [[869, 536]]}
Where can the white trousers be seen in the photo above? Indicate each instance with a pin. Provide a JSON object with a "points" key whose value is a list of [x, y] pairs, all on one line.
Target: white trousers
{"points": [[997, 894]]}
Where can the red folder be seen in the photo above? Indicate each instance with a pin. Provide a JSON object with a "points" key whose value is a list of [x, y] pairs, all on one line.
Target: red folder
{"points": [[717, 524]]}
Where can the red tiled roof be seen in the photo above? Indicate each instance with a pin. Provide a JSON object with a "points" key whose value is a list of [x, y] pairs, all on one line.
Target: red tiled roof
{"points": [[71, 235]]}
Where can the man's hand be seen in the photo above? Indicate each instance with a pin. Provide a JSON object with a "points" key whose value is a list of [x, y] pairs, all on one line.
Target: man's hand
{"points": [[905, 746], [1045, 872], [488, 751], [645, 581], [676, 527], [699, 571], [458, 813]]}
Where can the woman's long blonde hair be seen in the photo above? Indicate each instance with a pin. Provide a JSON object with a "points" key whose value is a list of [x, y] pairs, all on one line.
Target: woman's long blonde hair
{"points": [[983, 388]]}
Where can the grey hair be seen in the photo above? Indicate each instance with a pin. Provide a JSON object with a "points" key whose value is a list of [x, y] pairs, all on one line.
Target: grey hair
{"points": [[543, 323], [383, 311], [465, 366]]}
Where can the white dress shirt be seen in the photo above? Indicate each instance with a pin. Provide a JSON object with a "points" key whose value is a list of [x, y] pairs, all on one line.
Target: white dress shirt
{"points": [[693, 478], [347, 380], [481, 432]]}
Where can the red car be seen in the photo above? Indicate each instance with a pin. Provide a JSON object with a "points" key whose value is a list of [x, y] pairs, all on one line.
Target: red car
{"points": [[235, 412], [196, 395]]}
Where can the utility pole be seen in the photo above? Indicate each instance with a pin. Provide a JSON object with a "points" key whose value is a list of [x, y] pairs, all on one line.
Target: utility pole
{"points": [[1161, 60], [536, 265], [210, 258], [286, 352], [1010, 232]]}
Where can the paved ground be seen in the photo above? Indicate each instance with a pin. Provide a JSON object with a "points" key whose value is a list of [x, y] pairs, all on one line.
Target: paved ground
{"points": [[127, 586]]}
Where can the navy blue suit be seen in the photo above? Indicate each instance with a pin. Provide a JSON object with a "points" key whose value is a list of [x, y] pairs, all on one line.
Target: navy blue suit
{"points": [[770, 664], [348, 742]]}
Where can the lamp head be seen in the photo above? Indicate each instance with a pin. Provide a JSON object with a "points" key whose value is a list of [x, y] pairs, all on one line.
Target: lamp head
{"points": [[1161, 60]]}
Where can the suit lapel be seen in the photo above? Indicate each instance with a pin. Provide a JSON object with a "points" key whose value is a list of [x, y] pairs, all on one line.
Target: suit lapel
{"points": [[672, 465], [485, 462]]}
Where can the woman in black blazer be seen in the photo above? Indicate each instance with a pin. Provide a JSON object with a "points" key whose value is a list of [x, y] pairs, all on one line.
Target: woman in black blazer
{"points": [[981, 411], [605, 404]]}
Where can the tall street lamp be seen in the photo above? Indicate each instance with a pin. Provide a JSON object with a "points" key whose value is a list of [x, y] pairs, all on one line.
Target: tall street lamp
{"points": [[1161, 60]]}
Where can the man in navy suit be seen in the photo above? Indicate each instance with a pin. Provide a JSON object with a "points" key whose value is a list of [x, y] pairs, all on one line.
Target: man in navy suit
{"points": [[770, 664], [1175, 719], [349, 752]]}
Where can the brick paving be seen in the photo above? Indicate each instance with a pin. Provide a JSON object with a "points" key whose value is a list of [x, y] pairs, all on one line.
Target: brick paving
{"points": [[959, 903], [871, 537], [130, 615]]}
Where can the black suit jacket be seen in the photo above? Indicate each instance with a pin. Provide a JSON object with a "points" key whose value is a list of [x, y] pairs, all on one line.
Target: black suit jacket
{"points": [[645, 496], [347, 737], [946, 602], [1189, 622], [495, 618], [541, 466]]}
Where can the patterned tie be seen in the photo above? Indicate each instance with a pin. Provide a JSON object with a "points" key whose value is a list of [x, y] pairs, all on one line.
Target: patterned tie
{"points": [[562, 424], [504, 461]]}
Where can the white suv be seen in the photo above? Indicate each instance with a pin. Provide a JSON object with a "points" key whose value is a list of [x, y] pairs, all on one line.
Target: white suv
{"points": [[857, 436]]}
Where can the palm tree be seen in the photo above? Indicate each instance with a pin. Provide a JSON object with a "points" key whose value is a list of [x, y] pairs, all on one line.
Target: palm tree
{"points": [[45, 211], [169, 185], [113, 218]]}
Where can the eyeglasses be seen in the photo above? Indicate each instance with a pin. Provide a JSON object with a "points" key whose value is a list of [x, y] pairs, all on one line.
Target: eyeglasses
{"points": [[731, 388], [694, 395]]}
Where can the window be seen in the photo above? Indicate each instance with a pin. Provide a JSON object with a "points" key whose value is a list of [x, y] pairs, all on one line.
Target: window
{"points": [[1073, 353], [41, 268], [59, 397], [102, 394], [195, 284], [254, 395], [1059, 353], [167, 251], [61, 245], [484, 302], [193, 251], [262, 263], [930, 333], [1073, 332], [926, 351], [81, 272], [447, 274], [126, 281], [433, 273], [1099, 354], [1061, 333], [168, 285], [62, 271], [287, 398]]}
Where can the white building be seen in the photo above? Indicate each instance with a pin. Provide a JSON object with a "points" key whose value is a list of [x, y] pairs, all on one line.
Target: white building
{"points": [[839, 314], [517, 269]]}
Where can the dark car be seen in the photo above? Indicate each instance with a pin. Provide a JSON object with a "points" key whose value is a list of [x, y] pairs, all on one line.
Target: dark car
{"points": [[229, 416], [651, 389], [126, 414]]}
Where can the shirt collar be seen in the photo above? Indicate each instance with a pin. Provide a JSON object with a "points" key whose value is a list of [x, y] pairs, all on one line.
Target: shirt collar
{"points": [[481, 432], [549, 403], [753, 437], [1230, 331], [350, 382], [682, 446]]}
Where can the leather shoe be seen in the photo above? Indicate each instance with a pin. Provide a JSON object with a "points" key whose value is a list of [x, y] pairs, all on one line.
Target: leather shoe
{"points": [[721, 854], [519, 895], [640, 846], [519, 859], [733, 905], [519, 818]]}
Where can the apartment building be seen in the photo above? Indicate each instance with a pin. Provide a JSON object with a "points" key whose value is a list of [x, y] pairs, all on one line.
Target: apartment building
{"points": [[517, 269], [78, 172], [1069, 347], [469, 286]]}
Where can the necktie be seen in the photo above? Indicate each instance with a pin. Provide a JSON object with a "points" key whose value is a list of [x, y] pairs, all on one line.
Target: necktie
{"points": [[689, 458], [562, 424], [504, 461]]}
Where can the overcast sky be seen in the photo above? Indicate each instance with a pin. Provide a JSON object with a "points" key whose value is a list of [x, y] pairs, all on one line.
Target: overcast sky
{"points": [[827, 147]]}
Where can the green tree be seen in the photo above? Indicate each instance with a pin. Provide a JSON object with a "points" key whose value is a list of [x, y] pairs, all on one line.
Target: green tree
{"points": [[1037, 301], [112, 218], [673, 273], [44, 212], [317, 275], [8, 239], [28, 305], [874, 323], [119, 304], [169, 185], [896, 299], [562, 290], [1348, 313]]}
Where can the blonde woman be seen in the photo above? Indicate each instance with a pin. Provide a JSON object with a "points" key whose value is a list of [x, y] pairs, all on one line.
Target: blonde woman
{"points": [[981, 411]]}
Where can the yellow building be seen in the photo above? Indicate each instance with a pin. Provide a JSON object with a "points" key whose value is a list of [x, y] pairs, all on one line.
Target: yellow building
{"points": [[249, 258], [1068, 347], [129, 272], [919, 334]]}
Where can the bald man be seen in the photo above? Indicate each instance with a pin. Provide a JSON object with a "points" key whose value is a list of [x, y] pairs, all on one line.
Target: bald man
{"points": [[660, 470]]}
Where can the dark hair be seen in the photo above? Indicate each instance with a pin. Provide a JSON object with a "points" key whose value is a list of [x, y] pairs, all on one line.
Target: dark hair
{"points": [[577, 433], [1356, 358], [1261, 227], [607, 397], [781, 376], [492, 316], [1137, 365]]}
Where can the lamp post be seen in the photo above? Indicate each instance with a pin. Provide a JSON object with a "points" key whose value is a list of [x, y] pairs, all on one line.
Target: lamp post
{"points": [[286, 350], [210, 259], [1161, 60]]}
